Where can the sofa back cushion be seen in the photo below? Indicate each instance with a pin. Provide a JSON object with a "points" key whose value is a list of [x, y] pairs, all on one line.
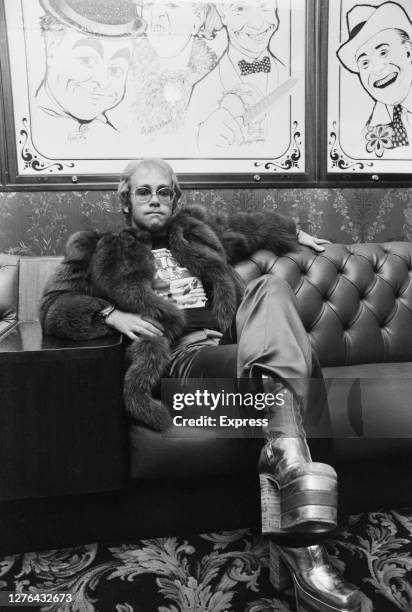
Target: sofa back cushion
{"points": [[9, 282], [355, 301], [22, 280], [34, 273]]}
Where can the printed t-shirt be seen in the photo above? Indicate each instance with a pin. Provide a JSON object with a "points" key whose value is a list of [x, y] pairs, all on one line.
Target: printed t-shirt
{"points": [[175, 283]]}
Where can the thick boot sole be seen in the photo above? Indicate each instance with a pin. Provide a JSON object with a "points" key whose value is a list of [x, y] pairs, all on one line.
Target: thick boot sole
{"points": [[306, 504]]}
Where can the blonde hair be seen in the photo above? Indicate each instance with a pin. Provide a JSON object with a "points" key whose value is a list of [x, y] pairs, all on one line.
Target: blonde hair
{"points": [[211, 22], [124, 189]]}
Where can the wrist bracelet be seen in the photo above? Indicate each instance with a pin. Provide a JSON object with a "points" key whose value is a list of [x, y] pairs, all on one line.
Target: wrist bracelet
{"points": [[103, 314]]}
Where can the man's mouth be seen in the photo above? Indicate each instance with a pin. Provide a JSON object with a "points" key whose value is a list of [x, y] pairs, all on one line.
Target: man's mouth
{"points": [[386, 81], [159, 29], [94, 94], [260, 36]]}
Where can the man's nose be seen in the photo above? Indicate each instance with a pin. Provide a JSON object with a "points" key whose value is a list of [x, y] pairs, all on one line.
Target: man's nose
{"points": [[256, 20], [154, 199], [378, 64], [101, 76], [159, 13]]}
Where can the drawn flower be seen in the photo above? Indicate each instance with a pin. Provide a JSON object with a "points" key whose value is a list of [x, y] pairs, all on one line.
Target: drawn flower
{"points": [[379, 138]]}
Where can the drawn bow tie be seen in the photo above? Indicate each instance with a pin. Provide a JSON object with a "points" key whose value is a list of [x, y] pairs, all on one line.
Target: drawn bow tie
{"points": [[262, 65]]}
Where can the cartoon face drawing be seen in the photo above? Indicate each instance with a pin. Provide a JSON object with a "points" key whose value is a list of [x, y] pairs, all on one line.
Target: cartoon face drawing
{"points": [[86, 75], [378, 50], [250, 25], [385, 66], [171, 25]]}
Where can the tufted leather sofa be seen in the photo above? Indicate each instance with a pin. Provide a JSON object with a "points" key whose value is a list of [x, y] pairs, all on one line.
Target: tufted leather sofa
{"points": [[72, 471], [355, 302]]}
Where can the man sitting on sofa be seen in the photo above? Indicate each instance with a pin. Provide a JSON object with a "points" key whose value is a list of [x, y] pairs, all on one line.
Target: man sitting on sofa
{"points": [[167, 283]]}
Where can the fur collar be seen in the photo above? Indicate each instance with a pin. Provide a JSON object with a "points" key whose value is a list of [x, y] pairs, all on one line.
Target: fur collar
{"points": [[206, 245], [192, 242]]}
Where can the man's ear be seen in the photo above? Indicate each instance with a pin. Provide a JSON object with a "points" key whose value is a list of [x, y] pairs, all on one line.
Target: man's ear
{"points": [[124, 196], [277, 22], [51, 46], [199, 20], [222, 13]]}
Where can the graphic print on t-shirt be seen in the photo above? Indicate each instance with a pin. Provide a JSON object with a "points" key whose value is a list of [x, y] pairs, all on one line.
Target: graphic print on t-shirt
{"points": [[175, 283]]}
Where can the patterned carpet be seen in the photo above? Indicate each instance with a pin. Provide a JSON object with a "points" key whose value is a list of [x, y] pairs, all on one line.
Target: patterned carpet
{"points": [[217, 572]]}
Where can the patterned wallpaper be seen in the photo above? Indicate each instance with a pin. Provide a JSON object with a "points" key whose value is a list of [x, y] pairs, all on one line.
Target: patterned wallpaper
{"points": [[39, 223]]}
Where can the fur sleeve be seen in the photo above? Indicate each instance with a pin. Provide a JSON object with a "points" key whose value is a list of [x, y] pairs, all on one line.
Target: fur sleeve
{"points": [[68, 307], [244, 233]]}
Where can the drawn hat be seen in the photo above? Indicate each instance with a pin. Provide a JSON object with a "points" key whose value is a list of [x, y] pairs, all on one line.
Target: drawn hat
{"points": [[97, 17], [364, 21]]}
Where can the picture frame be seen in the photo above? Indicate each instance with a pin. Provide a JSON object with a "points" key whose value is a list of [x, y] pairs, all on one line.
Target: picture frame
{"points": [[35, 159], [2, 125], [356, 146]]}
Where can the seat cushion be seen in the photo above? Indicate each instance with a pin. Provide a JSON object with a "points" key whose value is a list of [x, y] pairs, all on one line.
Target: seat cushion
{"points": [[370, 409], [371, 417], [181, 453]]}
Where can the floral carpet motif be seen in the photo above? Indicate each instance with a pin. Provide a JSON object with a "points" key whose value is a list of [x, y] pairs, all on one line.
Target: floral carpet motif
{"points": [[218, 572]]}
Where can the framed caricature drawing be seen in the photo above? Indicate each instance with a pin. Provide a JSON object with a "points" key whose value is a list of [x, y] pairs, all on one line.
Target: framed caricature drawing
{"points": [[369, 88], [95, 84]]}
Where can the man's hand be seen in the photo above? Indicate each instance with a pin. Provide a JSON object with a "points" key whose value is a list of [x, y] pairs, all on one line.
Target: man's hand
{"points": [[132, 325], [220, 130], [311, 241]]}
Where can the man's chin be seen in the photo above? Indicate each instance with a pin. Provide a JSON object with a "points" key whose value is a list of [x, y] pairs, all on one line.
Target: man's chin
{"points": [[154, 224], [86, 109], [391, 99], [84, 117]]}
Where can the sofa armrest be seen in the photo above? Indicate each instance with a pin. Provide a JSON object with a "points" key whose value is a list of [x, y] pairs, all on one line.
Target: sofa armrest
{"points": [[61, 415], [9, 280], [261, 262]]}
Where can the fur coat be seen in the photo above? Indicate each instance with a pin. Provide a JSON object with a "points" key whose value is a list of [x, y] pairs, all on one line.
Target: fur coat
{"points": [[109, 268]]}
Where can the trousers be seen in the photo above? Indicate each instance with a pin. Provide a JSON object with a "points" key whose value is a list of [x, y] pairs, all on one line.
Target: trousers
{"points": [[266, 337]]}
